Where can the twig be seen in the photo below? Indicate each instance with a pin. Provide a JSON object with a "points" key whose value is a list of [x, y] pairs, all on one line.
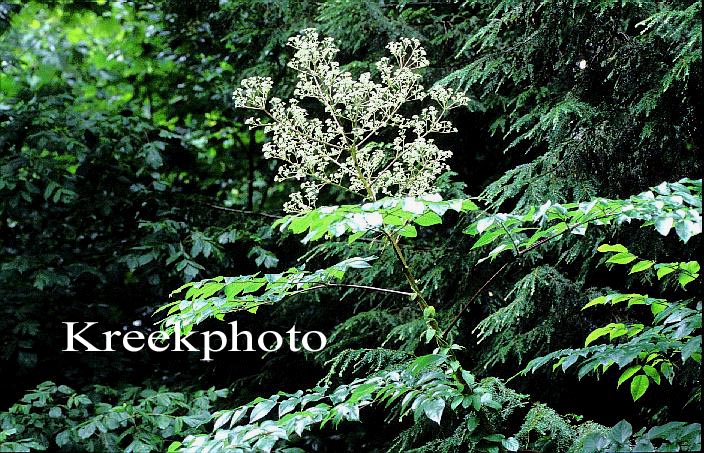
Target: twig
{"points": [[245, 211], [342, 285], [519, 254], [510, 236], [473, 298]]}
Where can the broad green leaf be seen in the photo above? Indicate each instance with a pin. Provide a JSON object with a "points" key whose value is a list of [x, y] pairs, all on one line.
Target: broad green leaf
{"points": [[408, 231], [287, 406], [657, 307], [472, 423], [86, 430], [63, 438], [667, 371], [487, 238], [601, 300], [428, 219], [640, 266], [468, 205], [355, 236], [468, 377], [356, 263], [510, 444], [433, 409], [621, 431], [612, 248], [692, 267], [685, 229], [622, 258], [664, 224], [261, 410], [222, 419], [630, 371], [664, 270], [639, 385], [195, 420], [596, 334], [684, 279], [652, 373], [484, 223], [693, 349], [429, 334]]}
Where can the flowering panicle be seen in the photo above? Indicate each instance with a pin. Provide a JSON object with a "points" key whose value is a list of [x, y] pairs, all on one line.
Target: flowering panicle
{"points": [[340, 148]]}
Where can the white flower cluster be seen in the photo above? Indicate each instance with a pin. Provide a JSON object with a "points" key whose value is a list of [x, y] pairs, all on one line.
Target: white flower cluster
{"points": [[342, 148], [254, 92]]}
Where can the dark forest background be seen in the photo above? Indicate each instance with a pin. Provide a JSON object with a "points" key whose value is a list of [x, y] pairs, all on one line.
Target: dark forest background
{"points": [[126, 171]]}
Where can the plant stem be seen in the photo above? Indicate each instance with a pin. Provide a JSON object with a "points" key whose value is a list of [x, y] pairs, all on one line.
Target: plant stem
{"points": [[410, 278]]}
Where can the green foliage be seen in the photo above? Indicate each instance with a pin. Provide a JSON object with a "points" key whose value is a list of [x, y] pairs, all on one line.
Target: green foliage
{"points": [[674, 436], [354, 362], [470, 431], [676, 204], [352, 23], [420, 387], [644, 353], [666, 206], [544, 429], [213, 298], [683, 273], [17, 444], [129, 419], [542, 290], [107, 150], [360, 329], [406, 336], [394, 215], [594, 91], [551, 431]]}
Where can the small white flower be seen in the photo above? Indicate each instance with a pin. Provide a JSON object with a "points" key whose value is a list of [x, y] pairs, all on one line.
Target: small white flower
{"points": [[338, 149]]}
